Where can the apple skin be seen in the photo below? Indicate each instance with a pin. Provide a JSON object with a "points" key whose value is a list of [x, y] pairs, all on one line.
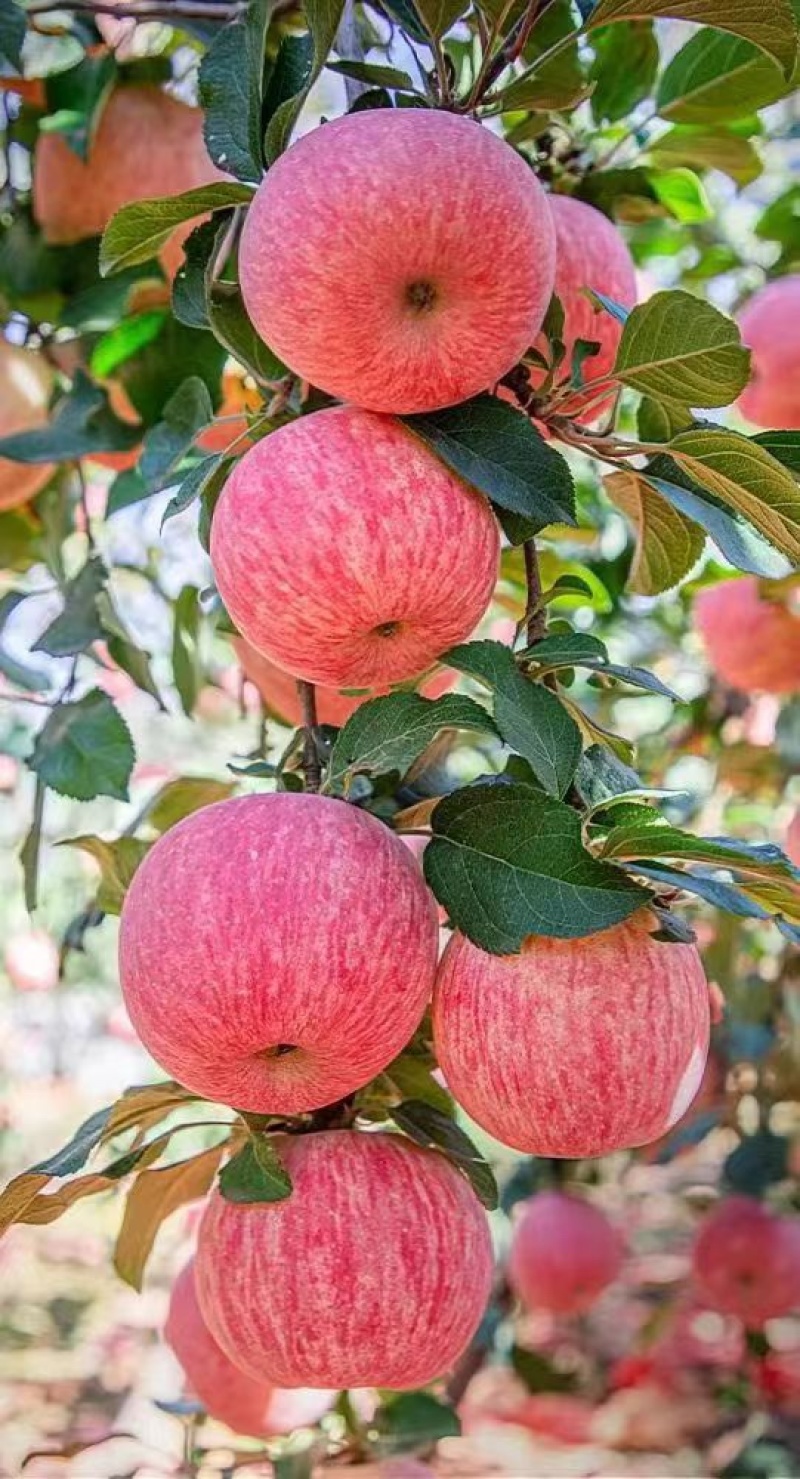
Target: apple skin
{"points": [[26, 382], [792, 843], [375, 1272], [253, 1408], [751, 642], [564, 1253], [147, 144], [746, 1261], [348, 554], [359, 216], [273, 921], [590, 253], [769, 327], [573, 1047], [279, 689]]}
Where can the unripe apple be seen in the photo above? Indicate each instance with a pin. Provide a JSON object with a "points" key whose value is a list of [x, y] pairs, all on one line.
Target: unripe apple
{"points": [[746, 1261], [26, 383], [770, 326], [590, 253], [146, 144], [402, 260], [564, 1253], [573, 1047], [255, 1408], [279, 689], [348, 554], [259, 953], [375, 1272], [751, 641]]}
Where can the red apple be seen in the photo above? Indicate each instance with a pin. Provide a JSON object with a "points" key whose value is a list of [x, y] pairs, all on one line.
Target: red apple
{"points": [[259, 951], [792, 843], [254, 1408], [374, 1273], [279, 689], [146, 144], [752, 641], [26, 383], [590, 253], [573, 1047], [348, 554], [564, 1253], [746, 1261], [402, 260], [32, 960], [770, 326]]}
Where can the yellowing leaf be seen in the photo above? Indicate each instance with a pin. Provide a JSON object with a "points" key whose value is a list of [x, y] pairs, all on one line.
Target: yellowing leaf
{"points": [[667, 544], [742, 474], [152, 1198]]}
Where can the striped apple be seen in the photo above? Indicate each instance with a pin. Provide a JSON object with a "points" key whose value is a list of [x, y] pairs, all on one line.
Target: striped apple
{"points": [[746, 1261], [574, 1047], [564, 1253], [348, 554], [258, 951], [375, 1272]]}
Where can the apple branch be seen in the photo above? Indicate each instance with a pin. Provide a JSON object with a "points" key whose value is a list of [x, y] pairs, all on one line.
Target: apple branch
{"points": [[312, 770]]}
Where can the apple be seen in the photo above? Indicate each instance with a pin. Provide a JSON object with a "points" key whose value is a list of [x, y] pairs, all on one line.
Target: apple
{"points": [[402, 260], [564, 1253], [573, 1047], [253, 1408], [752, 641], [769, 326], [590, 253], [374, 1272], [146, 144], [792, 843], [32, 960], [277, 951], [746, 1261], [278, 689], [348, 554], [26, 383]]}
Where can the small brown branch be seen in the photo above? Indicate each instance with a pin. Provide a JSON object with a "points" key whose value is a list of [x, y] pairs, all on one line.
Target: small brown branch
{"points": [[312, 770], [535, 613]]}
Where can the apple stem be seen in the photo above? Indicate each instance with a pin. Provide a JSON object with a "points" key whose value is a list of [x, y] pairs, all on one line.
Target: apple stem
{"points": [[312, 770], [535, 613]]}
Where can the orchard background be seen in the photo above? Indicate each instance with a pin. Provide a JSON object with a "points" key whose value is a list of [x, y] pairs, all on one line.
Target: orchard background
{"points": [[432, 477]]}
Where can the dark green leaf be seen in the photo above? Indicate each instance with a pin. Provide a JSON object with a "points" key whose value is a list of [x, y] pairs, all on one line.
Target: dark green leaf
{"points": [[255, 1174], [773, 30], [374, 74], [206, 477], [412, 1077], [189, 286], [507, 862], [186, 666], [166, 444], [428, 1127], [12, 33], [601, 775], [231, 325], [75, 1154], [617, 191], [85, 749], [497, 449], [389, 733], [414, 1421], [231, 86], [784, 446], [81, 424], [79, 624], [757, 1162], [538, 1372], [138, 232], [323, 17], [735, 539]]}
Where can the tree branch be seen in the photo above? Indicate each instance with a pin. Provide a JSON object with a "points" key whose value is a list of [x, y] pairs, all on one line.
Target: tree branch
{"points": [[535, 615]]}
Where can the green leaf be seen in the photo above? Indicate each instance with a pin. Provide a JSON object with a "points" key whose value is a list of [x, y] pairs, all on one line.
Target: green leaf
{"points": [[624, 69], [389, 733], [773, 30], [717, 77], [668, 545], [229, 322], [439, 16], [529, 717], [412, 1077], [124, 339], [165, 445], [627, 193], [683, 195], [372, 73], [188, 793], [323, 18], [559, 82], [677, 348], [426, 1126], [412, 1421], [744, 476], [539, 1374], [189, 285], [602, 775], [31, 848], [186, 665], [74, 1155], [782, 445], [137, 232], [231, 87], [206, 476], [12, 33], [81, 424], [709, 148], [647, 834], [118, 861], [255, 1174], [507, 861], [580, 650], [125, 652], [735, 539], [498, 451], [660, 423], [19, 540], [79, 624], [758, 1161], [85, 749]]}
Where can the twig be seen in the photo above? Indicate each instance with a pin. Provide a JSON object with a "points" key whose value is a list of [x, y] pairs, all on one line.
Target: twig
{"points": [[535, 613], [312, 770], [146, 10]]}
